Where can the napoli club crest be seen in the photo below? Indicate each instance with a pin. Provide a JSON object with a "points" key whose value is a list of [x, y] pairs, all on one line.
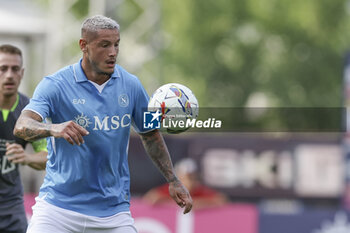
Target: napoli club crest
{"points": [[123, 100]]}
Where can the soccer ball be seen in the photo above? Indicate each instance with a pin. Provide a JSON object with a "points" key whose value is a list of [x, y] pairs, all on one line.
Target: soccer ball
{"points": [[177, 104]]}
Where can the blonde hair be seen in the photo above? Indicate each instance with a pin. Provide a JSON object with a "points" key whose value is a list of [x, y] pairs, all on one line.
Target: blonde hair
{"points": [[94, 23]]}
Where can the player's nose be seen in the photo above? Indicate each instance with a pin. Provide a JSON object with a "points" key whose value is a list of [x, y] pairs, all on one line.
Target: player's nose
{"points": [[9, 75], [113, 52]]}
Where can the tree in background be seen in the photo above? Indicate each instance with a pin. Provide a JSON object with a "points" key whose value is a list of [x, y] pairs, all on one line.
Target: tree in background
{"points": [[290, 52]]}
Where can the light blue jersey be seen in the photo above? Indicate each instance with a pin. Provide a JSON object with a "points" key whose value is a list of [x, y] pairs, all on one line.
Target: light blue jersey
{"points": [[93, 178]]}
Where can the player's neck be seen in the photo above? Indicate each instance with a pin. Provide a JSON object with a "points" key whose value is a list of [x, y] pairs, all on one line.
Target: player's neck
{"points": [[94, 76], [7, 101]]}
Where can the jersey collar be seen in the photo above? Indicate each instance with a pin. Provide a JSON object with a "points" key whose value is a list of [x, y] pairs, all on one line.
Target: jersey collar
{"points": [[5, 112], [80, 76]]}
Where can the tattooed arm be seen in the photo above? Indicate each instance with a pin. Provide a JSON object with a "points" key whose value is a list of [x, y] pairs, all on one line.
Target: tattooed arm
{"points": [[157, 150], [30, 128]]}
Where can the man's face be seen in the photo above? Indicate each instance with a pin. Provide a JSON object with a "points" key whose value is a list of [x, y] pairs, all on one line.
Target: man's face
{"points": [[11, 73], [102, 50], [190, 180]]}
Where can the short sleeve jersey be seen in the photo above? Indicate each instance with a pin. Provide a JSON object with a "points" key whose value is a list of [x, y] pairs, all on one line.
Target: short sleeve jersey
{"points": [[92, 178]]}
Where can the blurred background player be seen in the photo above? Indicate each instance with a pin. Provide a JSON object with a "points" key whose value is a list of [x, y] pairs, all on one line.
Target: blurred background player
{"points": [[92, 105], [187, 171], [12, 214]]}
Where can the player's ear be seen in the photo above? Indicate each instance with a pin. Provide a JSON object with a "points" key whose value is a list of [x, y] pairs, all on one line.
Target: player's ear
{"points": [[22, 72], [83, 44]]}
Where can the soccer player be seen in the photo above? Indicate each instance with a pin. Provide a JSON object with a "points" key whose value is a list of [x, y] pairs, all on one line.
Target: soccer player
{"points": [[88, 108], [12, 214]]}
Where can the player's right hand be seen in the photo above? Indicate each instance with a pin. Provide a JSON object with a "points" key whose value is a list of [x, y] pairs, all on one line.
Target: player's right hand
{"points": [[181, 195], [70, 131]]}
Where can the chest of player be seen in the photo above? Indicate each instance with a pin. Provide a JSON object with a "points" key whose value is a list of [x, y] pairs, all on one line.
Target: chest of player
{"points": [[108, 110]]}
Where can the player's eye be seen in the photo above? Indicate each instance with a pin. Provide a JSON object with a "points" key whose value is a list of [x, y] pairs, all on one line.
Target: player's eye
{"points": [[16, 69], [3, 68]]}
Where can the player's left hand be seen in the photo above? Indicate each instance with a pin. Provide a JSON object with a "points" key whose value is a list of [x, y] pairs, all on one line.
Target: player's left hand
{"points": [[180, 195], [15, 153]]}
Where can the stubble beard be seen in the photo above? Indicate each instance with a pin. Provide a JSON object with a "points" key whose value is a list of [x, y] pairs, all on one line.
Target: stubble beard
{"points": [[99, 71], [8, 94], [104, 73]]}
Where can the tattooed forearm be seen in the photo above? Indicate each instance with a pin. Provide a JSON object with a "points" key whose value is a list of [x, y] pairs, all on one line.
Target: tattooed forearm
{"points": [[157, 150], [29, 128]]}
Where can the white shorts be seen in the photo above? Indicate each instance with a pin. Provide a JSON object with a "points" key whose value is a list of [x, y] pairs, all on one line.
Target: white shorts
{"points": [[48, 218]]}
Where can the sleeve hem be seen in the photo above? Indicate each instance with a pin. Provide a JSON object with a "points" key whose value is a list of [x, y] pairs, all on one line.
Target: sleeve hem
{"points": [[28, 109]]}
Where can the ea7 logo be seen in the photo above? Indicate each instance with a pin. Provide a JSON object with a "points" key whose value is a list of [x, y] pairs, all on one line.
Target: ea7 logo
{"points": [[78, 101]]}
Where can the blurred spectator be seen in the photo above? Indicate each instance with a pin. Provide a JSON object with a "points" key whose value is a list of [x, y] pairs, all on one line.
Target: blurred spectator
{"points": [[187, 172]]}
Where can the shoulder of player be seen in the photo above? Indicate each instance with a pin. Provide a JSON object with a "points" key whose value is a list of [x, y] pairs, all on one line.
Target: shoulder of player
{"points": [[62, 74], [23, 97], [126, 75], [22, 101]]}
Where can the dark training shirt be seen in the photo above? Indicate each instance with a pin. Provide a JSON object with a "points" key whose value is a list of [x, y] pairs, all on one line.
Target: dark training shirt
{"points": [[11, 190]]}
